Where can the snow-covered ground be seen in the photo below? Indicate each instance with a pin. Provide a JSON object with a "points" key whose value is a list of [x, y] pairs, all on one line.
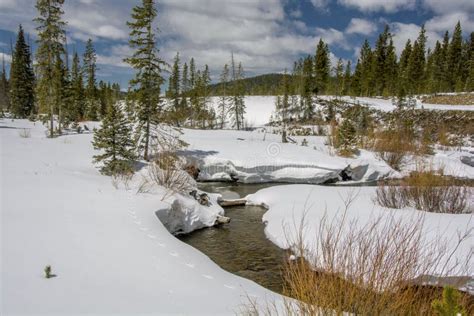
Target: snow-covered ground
{"points": [[256, 156], [260, 108], [288, 204], [109, 251]]}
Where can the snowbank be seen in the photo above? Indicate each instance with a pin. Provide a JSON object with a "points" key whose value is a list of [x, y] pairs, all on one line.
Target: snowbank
{"points": [[109, 251], [257, 157], [288, 204]]}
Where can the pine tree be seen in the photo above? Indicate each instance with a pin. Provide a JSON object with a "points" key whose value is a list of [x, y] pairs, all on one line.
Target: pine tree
{"points": [[22, 79], [223, 99], [346, 84], [174, 89], [454, 58], [237, 104], [92, 103], [339, 76], [403, 75], [417, 64], [380, 63], [59, 84], [115, 140], [391, 70], [322, 67], [148, 79], [366, 69], [346, 138], [4, 89], [470, 78], [77, 109], [184, 107], [51, 37]]}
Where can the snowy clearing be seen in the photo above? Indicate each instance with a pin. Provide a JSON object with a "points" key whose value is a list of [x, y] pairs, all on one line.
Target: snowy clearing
{"points": [[109, 251]]}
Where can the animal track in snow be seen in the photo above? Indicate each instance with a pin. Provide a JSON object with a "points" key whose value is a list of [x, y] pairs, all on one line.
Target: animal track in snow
{"points": [[137, 222], [208, 276], [162, 245], [151, 236], [190, 265], [143, 229], [229, 287], [174, 254]]}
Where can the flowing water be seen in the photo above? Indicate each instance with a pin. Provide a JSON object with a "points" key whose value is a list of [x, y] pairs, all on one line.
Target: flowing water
{"points": [[241, 246]]}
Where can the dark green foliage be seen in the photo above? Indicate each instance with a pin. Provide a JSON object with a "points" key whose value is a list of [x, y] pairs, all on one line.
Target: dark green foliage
{"points": [[147, 82], [114, 138], [76, 108], [4, 89], [322, 67], [92, 104], [449, 304], [346, 138], [237, 102], [22, 79], [51, 36]]}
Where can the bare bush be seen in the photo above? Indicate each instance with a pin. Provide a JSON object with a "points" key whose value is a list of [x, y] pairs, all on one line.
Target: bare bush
{"points": [[24, 133], [167, 172], [426, 191]]}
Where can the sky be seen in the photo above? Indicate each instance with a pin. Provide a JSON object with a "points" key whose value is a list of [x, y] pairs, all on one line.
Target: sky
{"points": [[267, 36]]}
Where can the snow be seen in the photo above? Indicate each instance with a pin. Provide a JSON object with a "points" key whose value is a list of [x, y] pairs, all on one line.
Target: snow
{"points": [[288, 204], [106, 245], [256, 157]]}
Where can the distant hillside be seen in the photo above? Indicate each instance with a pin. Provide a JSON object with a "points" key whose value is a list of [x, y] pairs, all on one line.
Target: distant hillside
{"points": [[260, 85]]}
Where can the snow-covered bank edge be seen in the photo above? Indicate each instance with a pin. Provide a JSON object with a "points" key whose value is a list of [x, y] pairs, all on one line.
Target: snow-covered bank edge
{"points": [[287, 205]]}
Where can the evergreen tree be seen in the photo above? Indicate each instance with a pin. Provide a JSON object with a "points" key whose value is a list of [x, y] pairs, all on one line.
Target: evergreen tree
{"points": [[346, 138], [380, 62], [60, 84], [346, 84], [174, 89], [391, 70], [339, 74], [148, 79], [184, 107], [4, 89], [322, 67], [92, 103], [223, 99], [77, 108], [470, 78], [366, 69], [454, 58], [403, 75], [51, 36], [237, 104], [417, 64], [114, 138], [22, 80]]}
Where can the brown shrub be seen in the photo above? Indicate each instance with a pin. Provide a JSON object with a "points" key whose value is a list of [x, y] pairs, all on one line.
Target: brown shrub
{"points": [[425, 190]]}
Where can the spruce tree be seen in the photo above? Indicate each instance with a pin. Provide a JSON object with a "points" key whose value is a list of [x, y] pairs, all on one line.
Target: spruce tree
{"points": [[92, 103], [417, 64], [51, 37], [77, 109], [366, 69], [148, 65], [184, 107], [60, 85], [22, 80], [454, 58], [339, 76], [114, 139], [346, 84], [322, 67], [237, 104], [4, 89], [223, 99], [174, 89], [346, 138]]}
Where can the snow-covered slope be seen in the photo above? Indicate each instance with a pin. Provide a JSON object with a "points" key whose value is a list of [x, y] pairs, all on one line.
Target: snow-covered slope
{"points": [[109, 251]]}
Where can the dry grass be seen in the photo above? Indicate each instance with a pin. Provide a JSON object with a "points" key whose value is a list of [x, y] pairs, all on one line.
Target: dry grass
{"points": [[393, 146], [363, 270], [426, 190], [458, 99]]}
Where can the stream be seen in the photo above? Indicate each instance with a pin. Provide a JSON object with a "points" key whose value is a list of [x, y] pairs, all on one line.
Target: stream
{"points": [[241, 246]]}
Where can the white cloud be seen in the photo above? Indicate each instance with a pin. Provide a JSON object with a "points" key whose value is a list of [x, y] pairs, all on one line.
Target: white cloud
{"points": [[389, 6], [332, 37], [402, 32], [361, 26], [320, 4], [447, 22], [443, 6], [6, 57]]}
